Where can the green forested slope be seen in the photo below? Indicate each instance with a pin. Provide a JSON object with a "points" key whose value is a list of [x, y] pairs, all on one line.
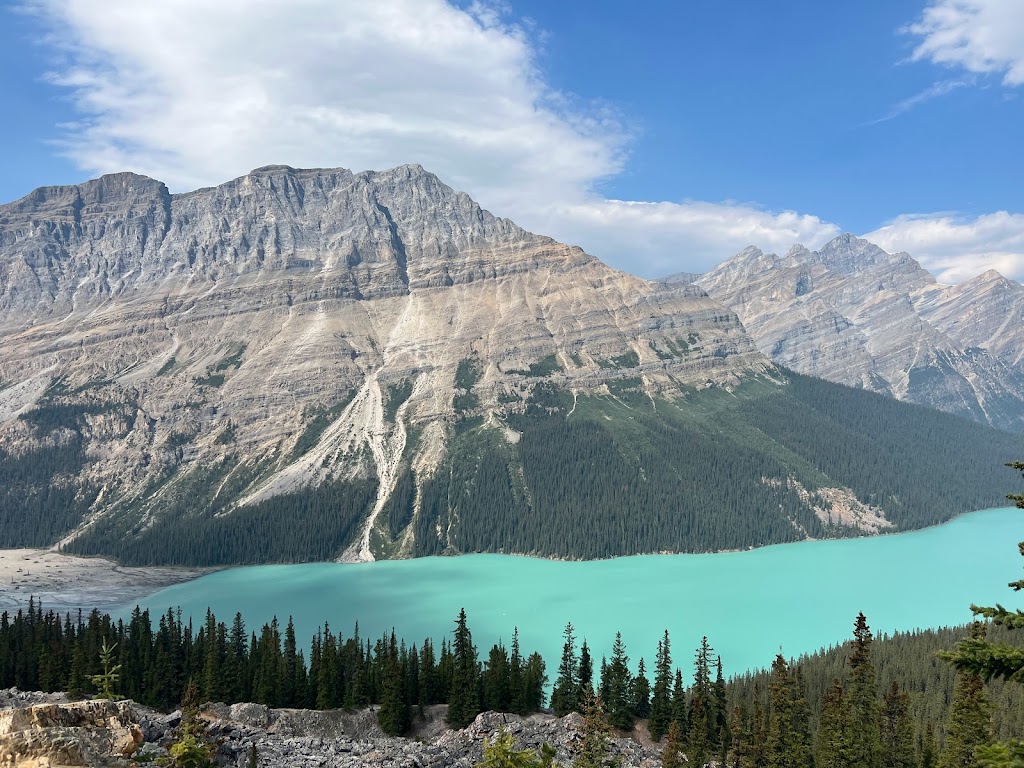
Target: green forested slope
{"points": [[584, 477], [908, 659], [622, 474]]}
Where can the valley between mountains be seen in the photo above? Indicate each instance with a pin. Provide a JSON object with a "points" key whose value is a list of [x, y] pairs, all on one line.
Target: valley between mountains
{"points": [[304, 365]]}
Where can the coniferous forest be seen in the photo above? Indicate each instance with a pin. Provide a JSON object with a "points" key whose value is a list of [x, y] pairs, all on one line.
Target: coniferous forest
{"points": [[890, 701], [930, 699], [588, 477]]}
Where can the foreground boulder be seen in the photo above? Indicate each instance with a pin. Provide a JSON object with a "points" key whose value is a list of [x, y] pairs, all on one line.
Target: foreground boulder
{"points": [[61, 734], [282, 741], [55, 735]]}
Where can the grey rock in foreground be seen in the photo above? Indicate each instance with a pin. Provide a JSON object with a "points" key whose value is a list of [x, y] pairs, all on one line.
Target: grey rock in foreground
{"points": [[35, 728], [463, 748], [83, 733]]}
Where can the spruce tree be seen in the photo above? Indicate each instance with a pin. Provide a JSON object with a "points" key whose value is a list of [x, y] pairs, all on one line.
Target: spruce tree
{"points": [[585, 673], [719, 710], [661, 697], [787, 742], [534, 681], [759, 734], [496, 680], [106, 680], [516, 680], [702, 723], [897, 732], [862, 740], [290, 693], [680, 713], [618, 703], [564, 695], [831, 737], [464, 697], [928, 756], [595, 748], [739, 753], [393, 714], [969, 725], [672, 755], [640, 695]]}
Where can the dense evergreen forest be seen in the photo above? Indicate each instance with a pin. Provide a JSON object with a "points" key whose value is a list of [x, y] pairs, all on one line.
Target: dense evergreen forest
{"points": [[626, 474], [588, 477], [893, 693]]}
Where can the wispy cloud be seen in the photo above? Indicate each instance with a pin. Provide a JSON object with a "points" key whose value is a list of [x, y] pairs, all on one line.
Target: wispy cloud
{"points": [[934, 91], [195, 93]]}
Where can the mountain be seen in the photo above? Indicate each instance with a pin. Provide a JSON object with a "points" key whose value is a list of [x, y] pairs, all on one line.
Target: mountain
{"points": [[307, 364], [853, 314]]}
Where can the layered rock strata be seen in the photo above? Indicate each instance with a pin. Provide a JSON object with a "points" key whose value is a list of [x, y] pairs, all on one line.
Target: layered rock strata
{"points": [[853, 314]]}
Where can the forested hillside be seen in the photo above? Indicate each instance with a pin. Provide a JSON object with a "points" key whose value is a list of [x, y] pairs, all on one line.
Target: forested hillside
{"points": [[601, 476], [604, 476]]}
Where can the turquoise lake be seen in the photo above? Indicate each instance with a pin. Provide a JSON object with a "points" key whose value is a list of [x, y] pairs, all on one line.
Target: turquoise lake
{"points": [[799, 597]]}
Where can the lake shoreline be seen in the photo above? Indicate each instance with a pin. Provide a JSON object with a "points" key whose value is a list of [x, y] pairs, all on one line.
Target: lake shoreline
{"points": [[71, 582], [68, 582]]}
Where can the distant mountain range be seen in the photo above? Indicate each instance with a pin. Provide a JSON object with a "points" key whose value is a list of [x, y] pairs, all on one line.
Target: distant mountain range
{"points": [[307, 364], [853, 314]]}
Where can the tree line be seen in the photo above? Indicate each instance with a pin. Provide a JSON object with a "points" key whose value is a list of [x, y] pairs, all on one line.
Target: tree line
{"points": [[50, 652], [782, 717]]}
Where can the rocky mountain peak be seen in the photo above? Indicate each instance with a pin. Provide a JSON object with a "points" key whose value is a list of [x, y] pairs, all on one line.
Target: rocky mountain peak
{"points": [[302, 327], [850, 254], [854, 314], [992, 279]]}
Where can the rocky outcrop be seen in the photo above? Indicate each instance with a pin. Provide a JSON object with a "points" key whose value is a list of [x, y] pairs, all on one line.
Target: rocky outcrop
{"points": [[856, 315], [102, 733], [293, 328], [308, 743], [55, 735]]}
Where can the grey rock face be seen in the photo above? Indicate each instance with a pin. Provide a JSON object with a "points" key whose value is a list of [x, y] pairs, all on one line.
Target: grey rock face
{"points": [[464, 748], [84, 733], [216, 326], [104, 733], [856, 315]]}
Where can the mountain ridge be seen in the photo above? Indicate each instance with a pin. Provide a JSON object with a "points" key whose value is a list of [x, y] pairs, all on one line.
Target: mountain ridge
{"points": [[229, 318], [314, 364], [853, 314]]}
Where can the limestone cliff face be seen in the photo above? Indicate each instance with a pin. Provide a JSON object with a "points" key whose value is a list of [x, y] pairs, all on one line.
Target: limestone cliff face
{"points": [[856, 315], [186, 330]]}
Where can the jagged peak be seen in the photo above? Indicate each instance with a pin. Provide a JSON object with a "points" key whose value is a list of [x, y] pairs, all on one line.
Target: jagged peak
{"points": [[121, 180], [750, 252], [988, 280], [991, 276], [850, 245]]}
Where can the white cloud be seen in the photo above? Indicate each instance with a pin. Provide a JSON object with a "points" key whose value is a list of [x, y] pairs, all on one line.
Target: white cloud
{"points": [[980, 36], [957, 248], [691, 236], [933, 91], [195, 92]]}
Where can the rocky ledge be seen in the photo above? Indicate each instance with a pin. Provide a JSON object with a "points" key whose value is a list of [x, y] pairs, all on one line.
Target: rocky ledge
{"points": [[47, 731]]}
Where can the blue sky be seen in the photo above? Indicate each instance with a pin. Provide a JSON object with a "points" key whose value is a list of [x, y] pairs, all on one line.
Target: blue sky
{"points": [[661, 136]]}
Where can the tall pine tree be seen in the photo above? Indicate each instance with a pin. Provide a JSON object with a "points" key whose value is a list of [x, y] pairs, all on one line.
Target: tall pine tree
{"points": [[564, 696], [464, 696], [661, 697], [863, 745]]}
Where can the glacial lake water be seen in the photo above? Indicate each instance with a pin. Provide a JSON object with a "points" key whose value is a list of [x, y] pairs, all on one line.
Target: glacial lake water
{"points": [[797, 597]]}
